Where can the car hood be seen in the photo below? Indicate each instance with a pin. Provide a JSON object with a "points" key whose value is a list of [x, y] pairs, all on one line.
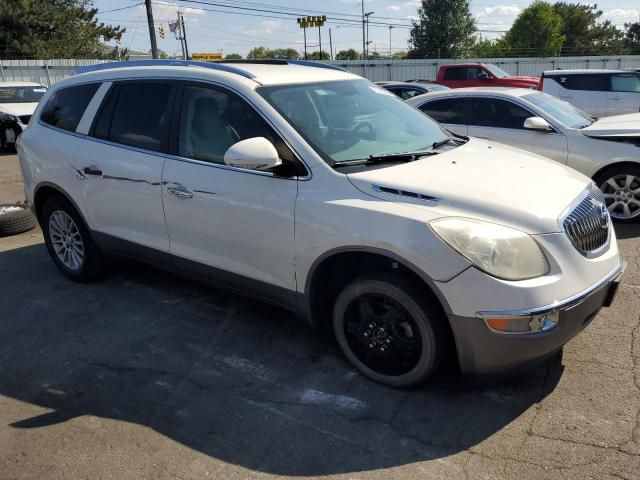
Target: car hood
{"points": [[522, 79], [18, 108], [627, 125], [483, 180]]}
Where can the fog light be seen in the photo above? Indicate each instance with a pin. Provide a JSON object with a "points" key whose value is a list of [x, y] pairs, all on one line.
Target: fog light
{"points": [[523, 324]]}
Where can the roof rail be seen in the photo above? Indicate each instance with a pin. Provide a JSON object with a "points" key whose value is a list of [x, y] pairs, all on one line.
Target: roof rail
{"points": [[163, 63], [309, 63], [279, 61]]}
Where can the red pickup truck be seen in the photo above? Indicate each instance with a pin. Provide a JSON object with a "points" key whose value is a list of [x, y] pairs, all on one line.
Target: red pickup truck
{"points": [[458, 75]]}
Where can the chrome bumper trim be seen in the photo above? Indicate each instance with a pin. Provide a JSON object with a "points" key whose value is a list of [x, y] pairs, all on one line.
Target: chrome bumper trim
{"points": [[559, 305]]}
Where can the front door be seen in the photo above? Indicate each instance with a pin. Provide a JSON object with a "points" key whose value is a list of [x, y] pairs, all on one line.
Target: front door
{"points": [[229, 225]]}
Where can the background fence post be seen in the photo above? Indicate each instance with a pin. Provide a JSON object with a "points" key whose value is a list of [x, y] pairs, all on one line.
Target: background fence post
{"points": [[2, 71], [46, 71]]}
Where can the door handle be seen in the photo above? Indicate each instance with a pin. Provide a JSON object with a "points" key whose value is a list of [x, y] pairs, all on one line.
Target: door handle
{"points": [[92, 170], [180, 192]]}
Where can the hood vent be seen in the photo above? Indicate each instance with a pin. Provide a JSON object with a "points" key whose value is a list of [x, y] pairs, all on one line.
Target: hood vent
{"points": [[404, 193]]}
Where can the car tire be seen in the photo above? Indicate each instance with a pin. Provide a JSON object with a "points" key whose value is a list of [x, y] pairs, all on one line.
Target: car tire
{"points": [[388, 329], [68, 241], [15, 219], [627, 179]]}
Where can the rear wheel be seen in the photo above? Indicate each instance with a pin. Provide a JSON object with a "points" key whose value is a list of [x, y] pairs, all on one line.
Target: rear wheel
{"points": [[69, 242], [388, 331], [620, 186]]}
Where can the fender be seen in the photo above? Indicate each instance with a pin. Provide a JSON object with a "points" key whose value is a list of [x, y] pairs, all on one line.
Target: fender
{"points": [[62, 192]]}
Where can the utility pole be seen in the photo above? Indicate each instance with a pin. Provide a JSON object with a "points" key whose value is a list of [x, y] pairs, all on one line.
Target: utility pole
{"points": [[367, 41], [330, 44], [152, 30], [320, 42], [184, 37], [390, 52], [305, 42], [364, 48]]}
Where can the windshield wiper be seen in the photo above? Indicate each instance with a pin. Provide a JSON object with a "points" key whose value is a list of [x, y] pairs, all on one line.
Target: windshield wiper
{"points": [[442, 143], [385, 157]]}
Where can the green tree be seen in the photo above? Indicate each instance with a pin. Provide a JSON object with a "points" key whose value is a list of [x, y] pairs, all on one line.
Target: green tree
{"points": [[443, 30], [319, 55], [233, 56], [258, 52], [487, 48], [632, 37], [585, 34], [537, 32], [286, 53], [349, 54], [53, 29]]}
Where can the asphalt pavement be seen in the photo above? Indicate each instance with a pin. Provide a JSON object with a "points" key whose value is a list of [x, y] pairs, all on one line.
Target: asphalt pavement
{"points": [[149, 375]]}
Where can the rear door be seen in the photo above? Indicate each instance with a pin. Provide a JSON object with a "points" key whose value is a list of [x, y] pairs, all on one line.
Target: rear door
{"points": [[502, 121], [450, 112], [587, 91], [122, 166], [624, 96]]}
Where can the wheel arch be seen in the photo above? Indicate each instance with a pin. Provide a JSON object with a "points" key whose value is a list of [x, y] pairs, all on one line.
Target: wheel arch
{"points": [[354, 261], [44, 191], [614, 164]]}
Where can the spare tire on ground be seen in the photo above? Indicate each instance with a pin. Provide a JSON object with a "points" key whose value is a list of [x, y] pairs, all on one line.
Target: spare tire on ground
{"points": [[14, 219]]}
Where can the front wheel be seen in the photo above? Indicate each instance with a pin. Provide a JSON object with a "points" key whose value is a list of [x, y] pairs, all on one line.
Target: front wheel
{"points": [[388, 329], [620, 186]]}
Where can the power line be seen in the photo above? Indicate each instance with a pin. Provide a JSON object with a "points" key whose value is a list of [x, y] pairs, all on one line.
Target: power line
{"points": [[121, 8]]}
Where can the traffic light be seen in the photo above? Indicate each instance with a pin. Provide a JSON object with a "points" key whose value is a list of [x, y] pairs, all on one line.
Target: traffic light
{"points": [[161, 31]]}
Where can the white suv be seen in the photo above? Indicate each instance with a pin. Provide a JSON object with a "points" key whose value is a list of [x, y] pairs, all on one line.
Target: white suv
{"points": [[600, 93], [314, 189]]}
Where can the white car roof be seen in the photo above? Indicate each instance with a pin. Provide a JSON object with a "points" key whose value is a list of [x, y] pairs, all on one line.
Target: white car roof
{"points": [[260, 72], [578, 71], [463, 92]]}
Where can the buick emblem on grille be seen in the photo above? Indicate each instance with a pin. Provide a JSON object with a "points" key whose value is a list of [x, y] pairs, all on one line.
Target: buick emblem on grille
{"points": [[604, 213]]}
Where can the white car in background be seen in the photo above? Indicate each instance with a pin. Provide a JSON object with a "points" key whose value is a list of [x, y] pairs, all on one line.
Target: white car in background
{"points": [[606, 150], [18, 100], [598, 92]]}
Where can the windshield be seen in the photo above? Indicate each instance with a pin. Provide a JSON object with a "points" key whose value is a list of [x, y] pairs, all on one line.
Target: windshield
{"points": [[562, 111], [498, 72], [353, 119], [21, 94]]}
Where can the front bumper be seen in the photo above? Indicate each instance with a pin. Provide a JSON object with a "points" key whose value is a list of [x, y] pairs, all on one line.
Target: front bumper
{"points": [[483, 351]]}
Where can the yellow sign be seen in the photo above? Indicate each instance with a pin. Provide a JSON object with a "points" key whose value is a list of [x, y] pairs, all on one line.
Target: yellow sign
{"points": [[206, 57]]}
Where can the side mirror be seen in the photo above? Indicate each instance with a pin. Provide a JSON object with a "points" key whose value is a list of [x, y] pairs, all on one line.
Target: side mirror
{"points": [[484, 76], [256, 153], [537, 123]]}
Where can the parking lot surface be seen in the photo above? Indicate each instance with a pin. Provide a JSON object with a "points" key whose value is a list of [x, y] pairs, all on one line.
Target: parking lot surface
{"points": [[149, 375]]}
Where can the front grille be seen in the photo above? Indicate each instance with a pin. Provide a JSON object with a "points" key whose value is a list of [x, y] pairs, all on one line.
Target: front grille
{"points": [[25, 119], [588, 224]]}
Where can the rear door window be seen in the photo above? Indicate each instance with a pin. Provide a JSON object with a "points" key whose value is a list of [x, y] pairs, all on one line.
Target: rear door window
{"points": [[137, 114], [589, 82], [450, 110], [67, 105], [455, 73]]}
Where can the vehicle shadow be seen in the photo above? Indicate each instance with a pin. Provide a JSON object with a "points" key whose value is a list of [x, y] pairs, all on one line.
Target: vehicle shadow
{"points": [[232, 378], [627, 230]]}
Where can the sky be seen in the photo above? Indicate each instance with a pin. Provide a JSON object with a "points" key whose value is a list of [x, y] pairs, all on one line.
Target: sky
{"points": [[212, 27]]}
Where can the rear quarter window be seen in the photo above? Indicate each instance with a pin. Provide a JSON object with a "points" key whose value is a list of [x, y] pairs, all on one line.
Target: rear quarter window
{"points": [[67, 105]]}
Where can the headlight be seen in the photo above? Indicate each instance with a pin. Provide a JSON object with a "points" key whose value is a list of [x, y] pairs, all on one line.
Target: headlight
{"points": [[500, 251], [7, 117]]}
